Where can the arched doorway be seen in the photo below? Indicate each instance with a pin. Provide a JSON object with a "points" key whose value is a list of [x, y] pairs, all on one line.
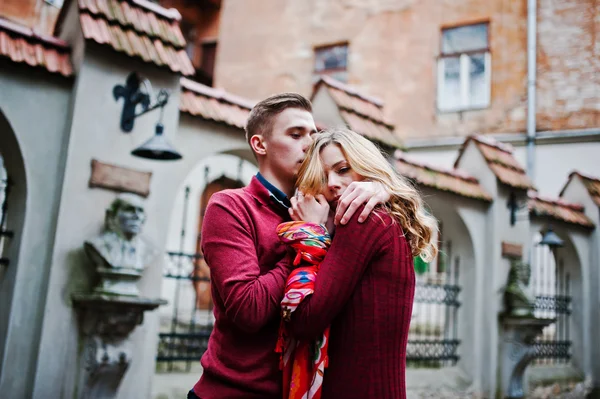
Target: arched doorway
{"points": [[186, 321], [442, 314], [201, 272], [557, 284], [13, 196], [5, 234]]}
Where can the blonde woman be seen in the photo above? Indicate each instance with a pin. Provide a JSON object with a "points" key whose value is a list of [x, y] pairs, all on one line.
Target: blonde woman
{"points": [[348, 304]]}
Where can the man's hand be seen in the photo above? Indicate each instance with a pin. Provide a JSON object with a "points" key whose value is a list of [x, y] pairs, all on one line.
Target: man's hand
{"points": [[358, 193], [309, 208]]}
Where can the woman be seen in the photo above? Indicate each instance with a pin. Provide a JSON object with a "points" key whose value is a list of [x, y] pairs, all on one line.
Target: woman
{"points": [[352, 310]]}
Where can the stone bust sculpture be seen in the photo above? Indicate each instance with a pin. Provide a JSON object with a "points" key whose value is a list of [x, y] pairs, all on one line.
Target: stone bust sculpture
{"points": [[518, 299], [120, 246]]}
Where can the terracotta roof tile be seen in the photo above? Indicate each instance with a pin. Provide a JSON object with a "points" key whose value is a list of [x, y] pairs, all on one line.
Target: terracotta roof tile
{"points": [[138, 28], [501, 161], [559, 210], [453, 181], [591, 183], [511, 177], [213, 104], [23, 45], [362, 113]]}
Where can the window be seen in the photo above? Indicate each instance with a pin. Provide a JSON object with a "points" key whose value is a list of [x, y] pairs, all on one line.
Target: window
{"points": [[464, 68], [55, 3], [209, 53], [332, 61]]}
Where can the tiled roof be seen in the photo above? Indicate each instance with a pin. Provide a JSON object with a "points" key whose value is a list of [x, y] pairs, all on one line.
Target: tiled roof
{"points": [[558, 210], [362, 113], [501, 161], [213, 104], [23, 45], [592, 184], [138, 28], [454, 181]]}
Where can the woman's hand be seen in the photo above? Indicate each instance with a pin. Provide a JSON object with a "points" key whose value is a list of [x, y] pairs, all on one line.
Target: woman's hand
{"points": [[309, 208], [357, 194]]}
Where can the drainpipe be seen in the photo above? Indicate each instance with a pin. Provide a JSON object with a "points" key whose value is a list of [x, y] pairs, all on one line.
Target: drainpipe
{"points": [[531, 78]]}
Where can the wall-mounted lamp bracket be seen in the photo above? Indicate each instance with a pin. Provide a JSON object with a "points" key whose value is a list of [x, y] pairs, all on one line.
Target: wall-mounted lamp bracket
{"points": [[133, 96]]}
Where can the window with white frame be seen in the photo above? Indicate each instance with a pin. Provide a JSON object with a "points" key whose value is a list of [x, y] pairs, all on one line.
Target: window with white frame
{"points": [[464, 68]]}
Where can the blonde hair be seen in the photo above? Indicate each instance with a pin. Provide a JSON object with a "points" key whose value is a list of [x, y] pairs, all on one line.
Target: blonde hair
{"points": [[405, 205]]}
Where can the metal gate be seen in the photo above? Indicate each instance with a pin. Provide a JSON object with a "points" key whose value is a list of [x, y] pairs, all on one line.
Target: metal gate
{"points": [[5, 234], [185, 329], [183, 338], [551, 284], [433, 341]]}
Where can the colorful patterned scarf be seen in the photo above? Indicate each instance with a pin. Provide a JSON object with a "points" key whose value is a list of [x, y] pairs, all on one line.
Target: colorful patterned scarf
{"points": [[303, 363]]}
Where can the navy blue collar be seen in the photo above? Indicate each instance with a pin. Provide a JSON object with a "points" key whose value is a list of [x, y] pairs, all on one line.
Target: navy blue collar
{"points": [[276, 194]]}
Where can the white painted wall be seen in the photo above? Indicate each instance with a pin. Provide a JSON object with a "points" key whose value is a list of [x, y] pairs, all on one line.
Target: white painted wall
{"points": [[34, 112]]}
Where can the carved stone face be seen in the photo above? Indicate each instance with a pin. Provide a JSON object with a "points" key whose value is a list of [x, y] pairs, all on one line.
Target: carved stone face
{"points": [[131, 218], [126, 215]]}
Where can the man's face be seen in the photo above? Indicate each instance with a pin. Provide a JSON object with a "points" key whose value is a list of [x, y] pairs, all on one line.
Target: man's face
{"points": [[131, 218], [289, 140]]}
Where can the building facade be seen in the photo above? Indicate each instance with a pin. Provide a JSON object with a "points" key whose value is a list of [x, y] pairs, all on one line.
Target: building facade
{"points": [[418, 79]]}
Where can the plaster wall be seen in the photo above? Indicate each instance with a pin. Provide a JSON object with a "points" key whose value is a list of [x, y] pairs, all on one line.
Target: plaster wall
{"points": [[34, 122], [95, 133]]}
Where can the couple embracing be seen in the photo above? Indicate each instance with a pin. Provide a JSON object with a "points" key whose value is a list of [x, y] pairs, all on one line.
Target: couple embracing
{"points": [[311, 265]]}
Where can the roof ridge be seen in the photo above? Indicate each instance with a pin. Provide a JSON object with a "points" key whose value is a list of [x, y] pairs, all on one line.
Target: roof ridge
{"points": [[156, 9], [350, 90], [556, 201], [129, 27], [509, 149], [511, 167], [28, 33], [401, 156], [169, 13], [378, 121], [218, 94], [585, 176]]}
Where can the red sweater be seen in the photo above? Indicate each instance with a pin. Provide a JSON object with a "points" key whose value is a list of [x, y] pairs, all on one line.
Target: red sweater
{"points": [[364, 290], [248, 267]]}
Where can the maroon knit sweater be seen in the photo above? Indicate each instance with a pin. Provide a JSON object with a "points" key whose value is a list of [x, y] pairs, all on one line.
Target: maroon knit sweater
{"points": [[248, 268], [364, 290]]}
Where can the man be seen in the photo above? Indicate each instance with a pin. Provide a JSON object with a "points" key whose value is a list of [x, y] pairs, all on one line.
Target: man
{"points": [[248, 264]]}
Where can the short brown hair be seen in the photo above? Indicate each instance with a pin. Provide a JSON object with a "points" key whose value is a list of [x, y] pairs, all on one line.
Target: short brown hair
{"points": [[260, 120]]}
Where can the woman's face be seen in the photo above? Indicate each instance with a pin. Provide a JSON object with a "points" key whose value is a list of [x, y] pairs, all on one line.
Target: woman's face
{"points": [[338, 172]]}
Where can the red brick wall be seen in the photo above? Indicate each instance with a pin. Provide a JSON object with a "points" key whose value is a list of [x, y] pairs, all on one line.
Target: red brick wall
{"points": [[569, 64], [266, 46], [32, 13]]}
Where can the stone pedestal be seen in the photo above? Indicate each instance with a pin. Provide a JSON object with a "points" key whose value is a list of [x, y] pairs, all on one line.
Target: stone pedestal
{"points": [[517, 350], [106, 321], [118, 281]]}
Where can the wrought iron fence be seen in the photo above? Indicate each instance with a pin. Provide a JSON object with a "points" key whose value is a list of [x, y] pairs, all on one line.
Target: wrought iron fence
{"points": [[183, 337], [5, 234], [551, 285], [554, 346], [433, 341]]}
